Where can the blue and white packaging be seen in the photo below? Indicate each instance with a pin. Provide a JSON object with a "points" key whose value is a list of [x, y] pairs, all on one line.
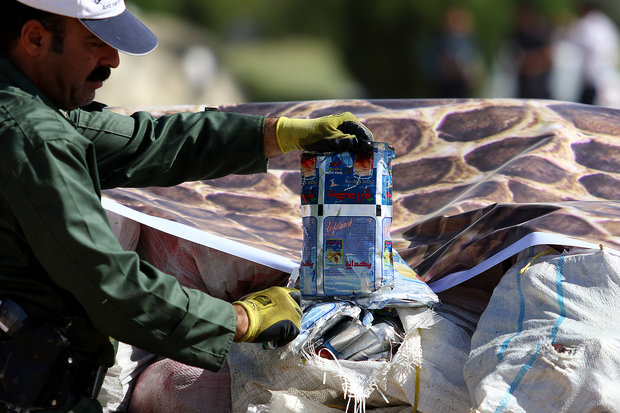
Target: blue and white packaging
{"points": [[346, 206]]}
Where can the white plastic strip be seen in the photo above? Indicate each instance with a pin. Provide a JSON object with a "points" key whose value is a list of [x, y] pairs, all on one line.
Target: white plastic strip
{"points": [[532, 239], [202, 237]]}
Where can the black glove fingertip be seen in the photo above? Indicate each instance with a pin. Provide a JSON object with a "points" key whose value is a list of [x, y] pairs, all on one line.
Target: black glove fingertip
{"points": [[328, 146], [365, 147], [355, 128], [284, 341], [296, 295]]}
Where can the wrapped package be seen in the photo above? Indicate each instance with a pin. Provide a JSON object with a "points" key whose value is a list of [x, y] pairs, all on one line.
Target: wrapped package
{"points": [[346, 206]]}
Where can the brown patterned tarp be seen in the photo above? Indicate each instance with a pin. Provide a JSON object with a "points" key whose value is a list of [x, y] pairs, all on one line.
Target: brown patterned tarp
{"points": [[470, 177]]}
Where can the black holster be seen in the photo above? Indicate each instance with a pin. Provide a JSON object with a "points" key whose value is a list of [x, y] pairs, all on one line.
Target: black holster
{"points": [[36, 369]]}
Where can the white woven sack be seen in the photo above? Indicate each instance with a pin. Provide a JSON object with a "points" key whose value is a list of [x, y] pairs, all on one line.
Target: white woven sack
{"points": [[549, 340], [121, 378], [425, 373]]}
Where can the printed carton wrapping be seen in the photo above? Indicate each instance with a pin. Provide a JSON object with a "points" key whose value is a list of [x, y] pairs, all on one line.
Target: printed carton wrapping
{"points": [[346, 206]]}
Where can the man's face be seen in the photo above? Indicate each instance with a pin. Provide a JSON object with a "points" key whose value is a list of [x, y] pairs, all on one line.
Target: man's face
{"points": [[70, 75]]}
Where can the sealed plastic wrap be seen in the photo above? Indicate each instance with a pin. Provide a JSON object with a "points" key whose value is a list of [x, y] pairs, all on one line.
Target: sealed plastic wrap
{"points": [[342, 330], [320, 317], [408, 290], [346, 205]]}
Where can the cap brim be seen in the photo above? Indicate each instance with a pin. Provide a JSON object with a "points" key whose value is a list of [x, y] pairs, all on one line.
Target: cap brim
{"points": [[123, 32]]}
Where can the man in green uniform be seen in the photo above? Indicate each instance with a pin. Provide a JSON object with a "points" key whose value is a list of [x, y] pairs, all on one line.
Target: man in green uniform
{"points": [[66, 285]]}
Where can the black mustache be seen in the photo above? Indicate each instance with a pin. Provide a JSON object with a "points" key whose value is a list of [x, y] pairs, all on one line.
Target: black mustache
{"points": [[100, 74]]}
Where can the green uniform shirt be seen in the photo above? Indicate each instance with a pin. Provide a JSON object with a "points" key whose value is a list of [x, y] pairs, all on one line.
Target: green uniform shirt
{"points": [[57, 252]]}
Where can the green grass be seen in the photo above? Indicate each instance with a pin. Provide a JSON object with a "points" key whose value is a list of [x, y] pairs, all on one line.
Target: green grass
{"points": [[290, 69]]}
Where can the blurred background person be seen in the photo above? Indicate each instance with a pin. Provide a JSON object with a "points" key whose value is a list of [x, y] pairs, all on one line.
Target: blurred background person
{"points": [[458, 65], [595, 36], [532, 55]]}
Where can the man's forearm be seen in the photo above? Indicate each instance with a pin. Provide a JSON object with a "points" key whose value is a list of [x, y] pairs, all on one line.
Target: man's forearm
{"points": [[242, 321], [271, 146]]}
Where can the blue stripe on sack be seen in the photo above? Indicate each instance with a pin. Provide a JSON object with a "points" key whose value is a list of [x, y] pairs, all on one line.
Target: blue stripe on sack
{"points": [[559, 277], [517, 380], [500, 353]]}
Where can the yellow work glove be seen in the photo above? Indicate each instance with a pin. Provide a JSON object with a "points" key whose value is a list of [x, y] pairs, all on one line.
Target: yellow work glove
{"points": [[274, 315], [332, 133]]}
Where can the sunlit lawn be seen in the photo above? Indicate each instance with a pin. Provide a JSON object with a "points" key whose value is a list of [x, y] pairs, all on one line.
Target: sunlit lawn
{"points": [[292, 69]]}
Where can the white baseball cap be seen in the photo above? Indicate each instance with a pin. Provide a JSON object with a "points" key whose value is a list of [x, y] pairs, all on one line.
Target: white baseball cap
{"points": [[109, 20]]}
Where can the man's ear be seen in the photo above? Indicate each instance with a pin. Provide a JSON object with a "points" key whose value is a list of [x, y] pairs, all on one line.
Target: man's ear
{"points": [[35, 38]]}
